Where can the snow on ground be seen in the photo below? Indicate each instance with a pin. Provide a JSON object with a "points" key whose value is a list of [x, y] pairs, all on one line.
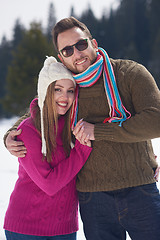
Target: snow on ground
{"points": [[8, 175]]}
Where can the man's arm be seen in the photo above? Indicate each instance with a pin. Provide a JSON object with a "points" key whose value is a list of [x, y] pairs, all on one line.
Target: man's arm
{"points": [[142, 99], [15, 147]]}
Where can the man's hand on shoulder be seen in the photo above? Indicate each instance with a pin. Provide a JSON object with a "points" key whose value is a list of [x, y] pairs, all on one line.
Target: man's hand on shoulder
{"points": [[15, 147]]}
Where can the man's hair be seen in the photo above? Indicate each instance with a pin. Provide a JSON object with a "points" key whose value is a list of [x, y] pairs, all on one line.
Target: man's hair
{"points": [[66, 24]]}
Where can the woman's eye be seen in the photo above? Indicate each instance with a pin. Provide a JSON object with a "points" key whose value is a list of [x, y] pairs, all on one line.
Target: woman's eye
{"points": [[57, 89], [71, 91]]}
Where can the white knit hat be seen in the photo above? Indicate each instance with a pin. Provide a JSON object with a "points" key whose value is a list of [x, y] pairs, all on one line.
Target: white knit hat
{"points": [[51, 72]]}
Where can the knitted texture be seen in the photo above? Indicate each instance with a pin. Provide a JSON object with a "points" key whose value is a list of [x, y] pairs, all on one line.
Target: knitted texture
{"points": [[44, 201], [123, 156]]}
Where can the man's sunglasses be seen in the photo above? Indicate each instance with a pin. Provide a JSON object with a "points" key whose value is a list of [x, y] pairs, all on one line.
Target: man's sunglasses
{"points": [[81, 45]]}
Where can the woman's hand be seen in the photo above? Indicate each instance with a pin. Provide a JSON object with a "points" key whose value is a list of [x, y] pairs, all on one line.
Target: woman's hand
{"points": [[80, 134]]}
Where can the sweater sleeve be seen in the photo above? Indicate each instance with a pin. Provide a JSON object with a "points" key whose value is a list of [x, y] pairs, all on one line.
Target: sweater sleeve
{"points": [[48, 179], [144, 123], [14, 127]]}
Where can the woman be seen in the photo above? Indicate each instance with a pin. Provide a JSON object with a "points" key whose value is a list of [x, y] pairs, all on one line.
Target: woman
{"points": [[44, 202]]}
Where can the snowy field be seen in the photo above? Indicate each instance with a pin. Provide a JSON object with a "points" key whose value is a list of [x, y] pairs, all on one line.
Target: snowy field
{"points": [[8, 175]]}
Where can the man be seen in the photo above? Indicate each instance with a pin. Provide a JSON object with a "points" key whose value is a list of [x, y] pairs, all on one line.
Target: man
{"points": [[119, 102]]}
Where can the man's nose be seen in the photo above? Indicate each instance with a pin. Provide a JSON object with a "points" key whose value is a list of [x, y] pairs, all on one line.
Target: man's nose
{"points": [[76, 51]]}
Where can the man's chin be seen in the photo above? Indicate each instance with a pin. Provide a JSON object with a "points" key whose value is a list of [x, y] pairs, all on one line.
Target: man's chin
{"points": [[81, 69]]}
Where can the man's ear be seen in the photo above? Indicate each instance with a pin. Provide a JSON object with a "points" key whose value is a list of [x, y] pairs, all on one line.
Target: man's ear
{"points": [[60, 58], [94, 43]]}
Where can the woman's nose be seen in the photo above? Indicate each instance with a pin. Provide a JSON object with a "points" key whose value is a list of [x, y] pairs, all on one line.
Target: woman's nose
{"points": [[65, 95]]}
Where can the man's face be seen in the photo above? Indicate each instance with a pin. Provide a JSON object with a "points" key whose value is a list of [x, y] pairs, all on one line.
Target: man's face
{"points": [[79, 61]]}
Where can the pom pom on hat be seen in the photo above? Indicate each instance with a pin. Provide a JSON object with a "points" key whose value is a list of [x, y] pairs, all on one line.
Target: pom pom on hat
{"points": [[52, 71]]}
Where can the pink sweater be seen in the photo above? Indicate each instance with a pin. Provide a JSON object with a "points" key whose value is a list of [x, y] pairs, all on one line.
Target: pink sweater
{"points": [[44, 201]]}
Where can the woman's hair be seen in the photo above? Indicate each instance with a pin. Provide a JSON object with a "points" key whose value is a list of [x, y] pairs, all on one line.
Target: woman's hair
{"points": [[50, 118], [66, 24]]}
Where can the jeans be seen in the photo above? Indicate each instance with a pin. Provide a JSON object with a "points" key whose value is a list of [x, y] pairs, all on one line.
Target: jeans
{"points": [[109, 215], [17, 236]]}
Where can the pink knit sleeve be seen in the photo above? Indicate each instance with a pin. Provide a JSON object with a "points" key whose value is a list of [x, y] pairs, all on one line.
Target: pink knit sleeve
{"points": [[49, 179]]}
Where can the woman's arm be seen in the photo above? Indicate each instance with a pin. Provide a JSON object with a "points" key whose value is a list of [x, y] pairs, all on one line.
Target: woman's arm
{"points": [[49, 179]]}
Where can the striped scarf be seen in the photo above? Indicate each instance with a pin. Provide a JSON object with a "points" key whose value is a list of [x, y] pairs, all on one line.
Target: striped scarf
{"points": [[90, 76]]}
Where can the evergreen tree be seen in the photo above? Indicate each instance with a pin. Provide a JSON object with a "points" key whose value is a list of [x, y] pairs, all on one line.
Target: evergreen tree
{"points": [[18, 32], [6, 49], [51, 21], [125, 27], [90, 20], [107, 35], [154, 17], [27, 61], [131, 31], [73, 13], [142, 30], [154, 20], [5, 59], [154, 62]]}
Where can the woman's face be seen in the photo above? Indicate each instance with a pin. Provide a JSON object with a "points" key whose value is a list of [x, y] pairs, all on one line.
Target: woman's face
{"points": [[64, 94]]}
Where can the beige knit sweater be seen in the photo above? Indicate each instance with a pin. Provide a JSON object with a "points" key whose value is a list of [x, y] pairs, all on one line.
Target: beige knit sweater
{"points": [[122, 156]]}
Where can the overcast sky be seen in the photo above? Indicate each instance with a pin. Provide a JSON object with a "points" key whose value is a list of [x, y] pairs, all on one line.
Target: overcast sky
{"points": [[30, 10]]}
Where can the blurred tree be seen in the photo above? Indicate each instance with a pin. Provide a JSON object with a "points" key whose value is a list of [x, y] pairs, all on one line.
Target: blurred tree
{"points": [[51, 21], [72, 13], [6, 49], [18, 32], [154, 62], [132, 29], [27, 61], [107, 36], [5, 58], [154, 20], [90, 20]]}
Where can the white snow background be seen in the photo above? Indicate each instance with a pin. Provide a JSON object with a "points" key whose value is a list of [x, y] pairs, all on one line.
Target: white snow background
{"points": [[8, 175]]}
